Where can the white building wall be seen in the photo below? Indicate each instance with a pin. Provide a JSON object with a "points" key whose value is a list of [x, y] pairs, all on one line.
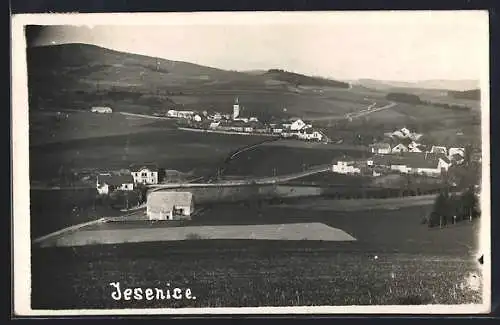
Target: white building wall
{"points": [[400, 168], [145, 176], [127, 187]]}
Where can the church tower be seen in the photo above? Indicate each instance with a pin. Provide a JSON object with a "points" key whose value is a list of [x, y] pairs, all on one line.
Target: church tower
{"points": [[236, 109]]}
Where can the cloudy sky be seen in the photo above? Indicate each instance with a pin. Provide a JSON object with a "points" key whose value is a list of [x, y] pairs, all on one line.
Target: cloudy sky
{"points": [[405, 46]]}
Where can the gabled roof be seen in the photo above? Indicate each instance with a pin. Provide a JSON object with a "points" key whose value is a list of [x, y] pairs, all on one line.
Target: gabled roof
{"points": [[137, 167], [167, 200]]}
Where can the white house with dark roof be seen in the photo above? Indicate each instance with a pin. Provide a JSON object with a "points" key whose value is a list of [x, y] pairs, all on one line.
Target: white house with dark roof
{"points": [[145, 173]]}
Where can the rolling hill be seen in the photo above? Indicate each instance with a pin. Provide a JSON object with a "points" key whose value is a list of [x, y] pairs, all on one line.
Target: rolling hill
{"points": [[76, 76], [297, 79]]}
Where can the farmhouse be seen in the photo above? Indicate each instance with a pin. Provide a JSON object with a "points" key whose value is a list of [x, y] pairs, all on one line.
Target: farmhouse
{"points": [[380, 148], [107, 183], [145, 174], [345, 166], [170, 205], [101, 110]]}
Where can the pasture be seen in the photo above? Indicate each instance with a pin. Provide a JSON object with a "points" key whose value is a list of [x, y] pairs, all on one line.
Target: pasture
{"points": [[276, 160], [169, 148]]}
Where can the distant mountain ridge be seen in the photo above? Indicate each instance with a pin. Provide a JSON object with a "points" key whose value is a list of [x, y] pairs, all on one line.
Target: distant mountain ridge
{"points": [[437, 84]]}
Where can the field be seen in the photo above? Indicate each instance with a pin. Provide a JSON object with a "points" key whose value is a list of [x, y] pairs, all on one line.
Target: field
{"points": [[274, 160], [251, 274], [169, 148], [51, 210], [395, 260]]}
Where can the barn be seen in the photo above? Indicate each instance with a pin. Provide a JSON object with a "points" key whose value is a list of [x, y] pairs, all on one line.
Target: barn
{"points": [[169, 205]]}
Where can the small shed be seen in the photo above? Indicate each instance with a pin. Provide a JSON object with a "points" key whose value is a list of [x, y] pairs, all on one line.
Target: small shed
{"points": [[169, 205]]}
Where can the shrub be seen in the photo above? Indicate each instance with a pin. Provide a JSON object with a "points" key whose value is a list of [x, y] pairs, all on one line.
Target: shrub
{"points": [[193, 236]]}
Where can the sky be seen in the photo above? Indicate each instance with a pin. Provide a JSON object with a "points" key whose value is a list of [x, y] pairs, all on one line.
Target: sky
{"points": [[403, 46]]}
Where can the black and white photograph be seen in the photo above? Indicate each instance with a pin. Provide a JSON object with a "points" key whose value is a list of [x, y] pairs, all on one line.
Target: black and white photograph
{"points": [[251, 163]]}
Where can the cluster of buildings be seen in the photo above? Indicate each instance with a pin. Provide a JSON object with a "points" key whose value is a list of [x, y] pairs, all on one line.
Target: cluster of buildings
{"points": [[293, 128], [145, 174], [160, 205], [405, 155], [425, 164]]}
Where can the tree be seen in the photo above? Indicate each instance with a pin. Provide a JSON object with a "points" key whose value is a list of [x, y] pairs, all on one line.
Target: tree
{"points": [[441, 209], [470, 204]]}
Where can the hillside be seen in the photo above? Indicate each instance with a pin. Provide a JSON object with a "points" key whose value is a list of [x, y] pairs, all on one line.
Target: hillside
{"points": [[78, 76], [81, 65], [297, 79]]}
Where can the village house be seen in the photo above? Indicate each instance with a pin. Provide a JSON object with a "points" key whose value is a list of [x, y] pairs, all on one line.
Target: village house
{"points": [[297, 125], [399, 148], [310, 134], [414, 147], [101, 110], [345, 166], [380, 148], [107, 183], [163, 205], [144, 174]]}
